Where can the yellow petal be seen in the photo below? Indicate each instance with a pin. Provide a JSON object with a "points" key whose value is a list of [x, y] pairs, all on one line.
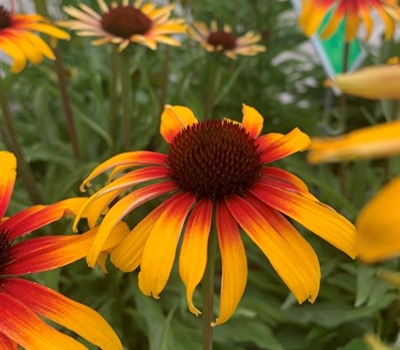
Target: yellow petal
{"points": [[18, 56], [372, 142], [234, 264], [174, 119], [193, 256], [374, 82], [8, 172], [252, 120], [378, 225], [160, 249]]}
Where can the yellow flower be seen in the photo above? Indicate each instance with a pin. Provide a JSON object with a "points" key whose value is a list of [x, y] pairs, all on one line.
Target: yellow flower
{"points": [[352, 12], [372, 142], [223, 40], [125, 24], [18, 41], [379, 225], [375, 82], [216, 170]]}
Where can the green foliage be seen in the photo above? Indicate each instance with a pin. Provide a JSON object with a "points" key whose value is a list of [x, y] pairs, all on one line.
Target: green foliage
{"points": [[352, 299]]}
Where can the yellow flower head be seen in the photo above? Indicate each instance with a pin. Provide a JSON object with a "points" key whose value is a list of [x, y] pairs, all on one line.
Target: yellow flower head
{"points": [[18, 41], [352, 12], [224, 41], [216, 170], [125, 24]]}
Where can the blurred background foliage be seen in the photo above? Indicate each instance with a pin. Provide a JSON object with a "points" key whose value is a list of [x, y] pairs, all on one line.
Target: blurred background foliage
{"points": [[286, 85]]}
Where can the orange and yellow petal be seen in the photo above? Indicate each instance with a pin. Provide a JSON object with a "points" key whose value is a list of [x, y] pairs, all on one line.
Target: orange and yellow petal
{"points": [[252, 121], [193, 256], [72, 315], [19, 225], [160, 248], [127, 158], [120, 210], [23, 326], [18, 56], [378, 225], [282, 256], [313, 12], [374, 82], [127, 255], [277, 146], [50, 252], [6, 343], [234, 264], [8, 173], [367, 143], [174, 119], [317, 217]]}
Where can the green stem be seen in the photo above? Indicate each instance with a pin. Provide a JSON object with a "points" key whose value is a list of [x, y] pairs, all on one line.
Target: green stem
{"points": [[164, 87], [11, 141], [113, 96], [208, 292], [126, 98], [209, 102]]}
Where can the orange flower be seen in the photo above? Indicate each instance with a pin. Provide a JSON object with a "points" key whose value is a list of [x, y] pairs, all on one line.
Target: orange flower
{"points": [[216, 169], [352, 12], [125, 24], [222, 40], [23, 302], [17, 41]]}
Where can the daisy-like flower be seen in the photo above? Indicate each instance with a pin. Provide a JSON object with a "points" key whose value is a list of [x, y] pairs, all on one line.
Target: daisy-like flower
{"points": [[222, 40], [352, 12], [216, 169], [374, 82], [23, 303], [18, 41], [124, 24]]}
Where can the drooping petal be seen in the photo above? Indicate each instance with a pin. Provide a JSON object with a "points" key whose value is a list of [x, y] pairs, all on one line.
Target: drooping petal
{"points": [[374, 82], [174, 119], [193, 256], [127, 158], [252, 120], [283, 258], [74, 316], [279, 147], [127, 255], [24, 327], [8, 173], [372, 142], [234, 264], [160, 248], [18, 56], [39, 218], [49, 252], [378, 225], [317, 217], [120, 210]]}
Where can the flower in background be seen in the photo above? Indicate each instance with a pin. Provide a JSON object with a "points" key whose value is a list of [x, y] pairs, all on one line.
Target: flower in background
{"points": [[352, 12], [18, 41], [374, 82], [376, 141], [222, 40], [125, 24], [216, 169], [23, 303]]}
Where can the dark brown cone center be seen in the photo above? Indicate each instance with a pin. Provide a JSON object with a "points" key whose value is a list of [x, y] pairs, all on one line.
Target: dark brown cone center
{"points": [[214, 159], [125, 21], [5, 245], [5, 18], [222, 38]]}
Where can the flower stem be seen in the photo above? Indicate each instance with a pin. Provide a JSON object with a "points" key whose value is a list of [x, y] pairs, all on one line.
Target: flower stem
{"points": [[164, 87], [11, 141], [126, 99], [209, 102], [113, 96], [208, 293]]}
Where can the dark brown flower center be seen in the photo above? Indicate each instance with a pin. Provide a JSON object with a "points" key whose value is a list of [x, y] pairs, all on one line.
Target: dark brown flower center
{"points": [[222, 38], [5, 18], [125, 21], [214, 159], [5, 245]]}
